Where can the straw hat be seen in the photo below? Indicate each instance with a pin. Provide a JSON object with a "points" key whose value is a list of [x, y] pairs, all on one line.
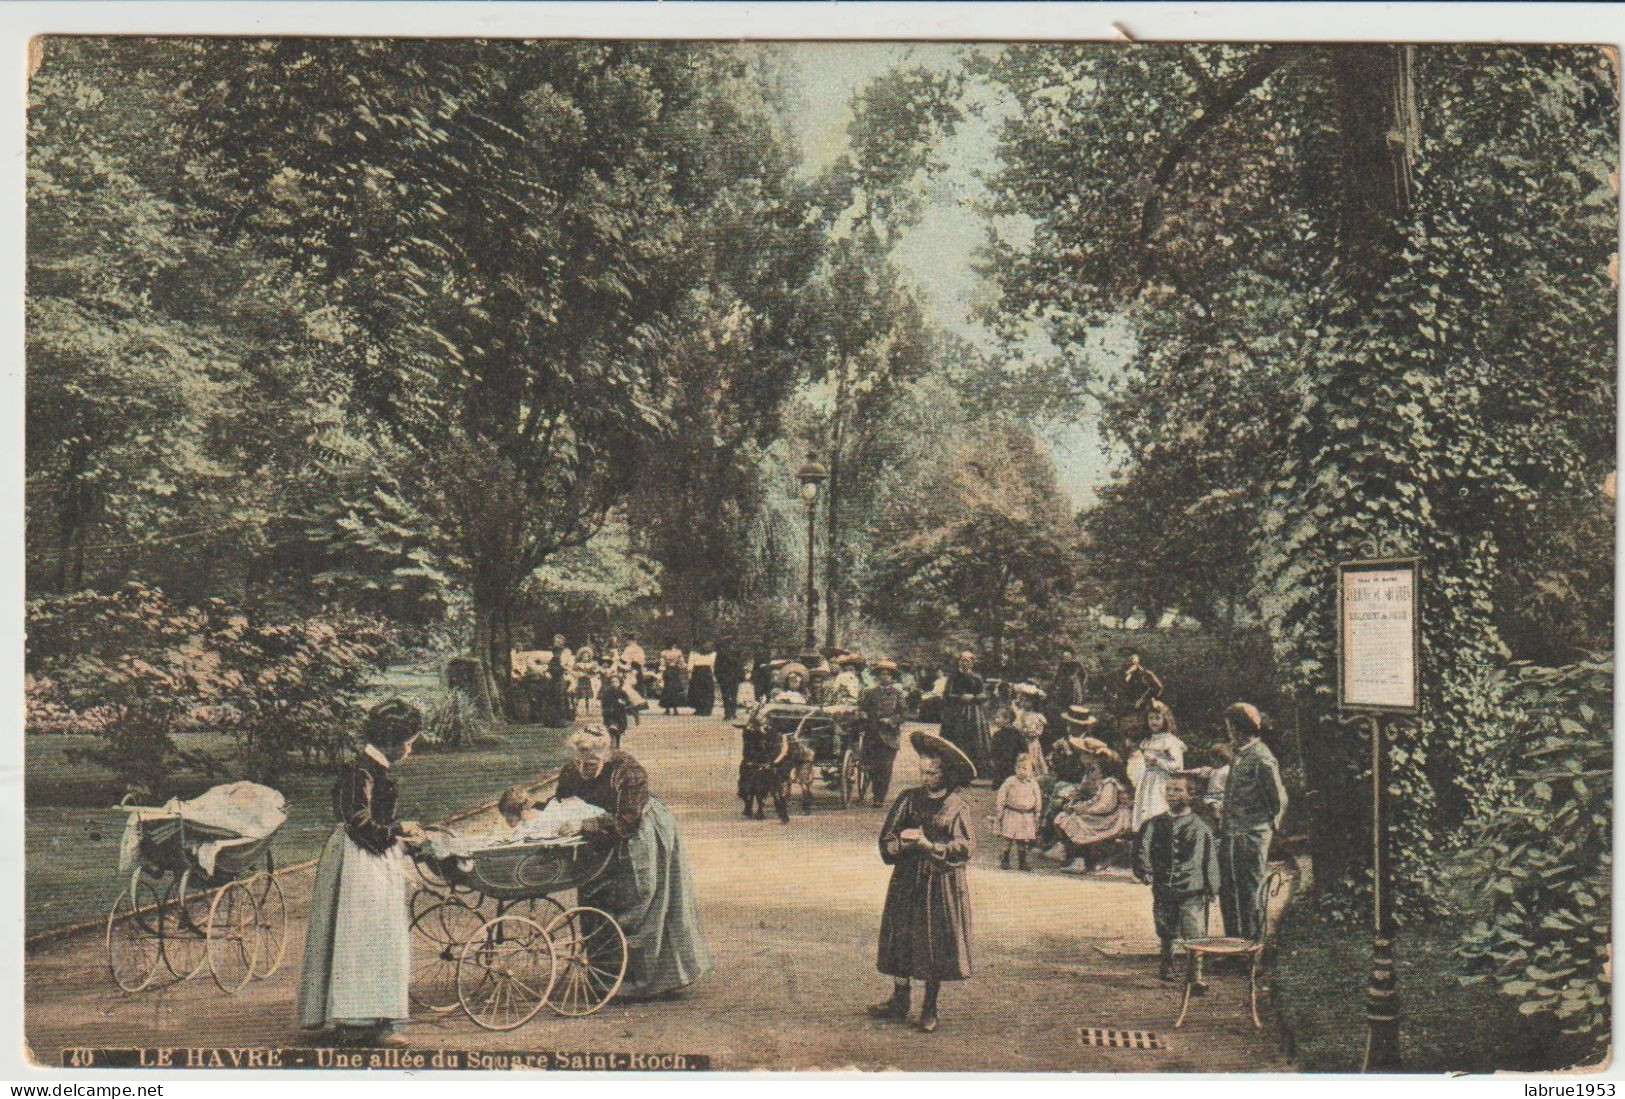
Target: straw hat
{"points": [[1031, 690], [957, 764], [884, 666], [1080, 716], [848, 660], [794, 668]]}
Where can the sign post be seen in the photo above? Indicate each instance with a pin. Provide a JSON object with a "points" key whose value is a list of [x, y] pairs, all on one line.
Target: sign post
{"points": [[1379, 648]]}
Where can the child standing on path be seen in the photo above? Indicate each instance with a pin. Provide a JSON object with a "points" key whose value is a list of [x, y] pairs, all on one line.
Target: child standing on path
{"points": [[1178, 857], [1015, 808], [613, 706]]}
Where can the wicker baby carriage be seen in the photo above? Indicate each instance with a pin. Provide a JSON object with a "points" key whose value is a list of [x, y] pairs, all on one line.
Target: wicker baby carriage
{"points": [[202, 891], [489, 937]]}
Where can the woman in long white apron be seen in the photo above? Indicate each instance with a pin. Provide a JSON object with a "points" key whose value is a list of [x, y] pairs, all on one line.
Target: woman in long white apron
{"points": [[358, 947], [1164, 756]]}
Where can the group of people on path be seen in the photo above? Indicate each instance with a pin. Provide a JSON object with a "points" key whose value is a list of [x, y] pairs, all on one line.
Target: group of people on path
{"points": [[357, 961], [562, 683]]}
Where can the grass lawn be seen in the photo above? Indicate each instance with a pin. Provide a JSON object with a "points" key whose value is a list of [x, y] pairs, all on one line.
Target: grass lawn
{"points": [[1320, 984], [71, 839]]}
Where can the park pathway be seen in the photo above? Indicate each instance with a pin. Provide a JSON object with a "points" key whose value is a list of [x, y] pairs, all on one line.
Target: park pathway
{"points": [[792, 914]]}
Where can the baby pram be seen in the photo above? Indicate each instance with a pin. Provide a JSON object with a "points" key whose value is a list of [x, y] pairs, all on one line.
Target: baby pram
{"points": [[202, 890], [489, 937]]}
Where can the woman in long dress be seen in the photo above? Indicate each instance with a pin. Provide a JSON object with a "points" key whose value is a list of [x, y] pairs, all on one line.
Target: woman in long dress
{"points": [[647, 887], [702, 680], [357, 947], [1163, 754], [964, 713], [925, 928], [673, 680]]}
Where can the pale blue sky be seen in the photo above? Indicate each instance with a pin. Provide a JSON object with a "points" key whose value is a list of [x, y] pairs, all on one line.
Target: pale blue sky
{"points": [[940, 251]]}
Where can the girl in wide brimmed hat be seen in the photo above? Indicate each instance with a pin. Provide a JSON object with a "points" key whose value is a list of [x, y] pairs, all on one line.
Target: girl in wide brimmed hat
{"points": [[925, 928]]}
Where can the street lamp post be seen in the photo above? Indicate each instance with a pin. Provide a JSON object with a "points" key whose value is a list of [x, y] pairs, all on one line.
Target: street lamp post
{"points": [[811, 476]]}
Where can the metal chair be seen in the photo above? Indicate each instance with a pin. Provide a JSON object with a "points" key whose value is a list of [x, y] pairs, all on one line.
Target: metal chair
{"points": [[1273, 885]]}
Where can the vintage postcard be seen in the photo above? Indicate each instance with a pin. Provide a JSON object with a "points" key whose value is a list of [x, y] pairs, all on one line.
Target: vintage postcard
{"points": [[662, 555]]}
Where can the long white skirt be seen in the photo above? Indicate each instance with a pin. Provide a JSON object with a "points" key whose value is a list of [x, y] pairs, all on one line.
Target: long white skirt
{"points": [[358, 953]]}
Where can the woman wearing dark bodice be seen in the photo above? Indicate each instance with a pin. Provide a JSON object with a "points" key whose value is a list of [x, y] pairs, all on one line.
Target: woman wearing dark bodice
{"points": [[647, 886], [357, 959], [964, 713]]}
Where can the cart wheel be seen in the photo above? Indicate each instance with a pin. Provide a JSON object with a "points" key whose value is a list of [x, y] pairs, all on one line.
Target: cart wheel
{"points": [[592, 961], [851, 778], [186, 914], [135, 934], [505, 973], [233, 936], [272, 926], [438, 935]]}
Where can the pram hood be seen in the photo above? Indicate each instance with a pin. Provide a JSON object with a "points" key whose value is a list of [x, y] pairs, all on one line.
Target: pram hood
{"points": [[229, 815]]}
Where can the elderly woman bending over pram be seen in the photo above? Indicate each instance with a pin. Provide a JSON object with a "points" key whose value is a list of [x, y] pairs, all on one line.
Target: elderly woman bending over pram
{"points": [[647, 888]]}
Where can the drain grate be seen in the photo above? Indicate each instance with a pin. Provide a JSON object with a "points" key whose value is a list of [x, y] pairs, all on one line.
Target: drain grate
{"points": [[1119, 1039]]}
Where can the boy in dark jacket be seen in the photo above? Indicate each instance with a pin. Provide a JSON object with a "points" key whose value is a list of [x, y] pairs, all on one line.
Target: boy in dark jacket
{"points": [[615, 704], [1178, 857]]}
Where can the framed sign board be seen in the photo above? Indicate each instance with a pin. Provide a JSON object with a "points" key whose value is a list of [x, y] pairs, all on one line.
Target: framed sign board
{"points": [[1379, 635]]}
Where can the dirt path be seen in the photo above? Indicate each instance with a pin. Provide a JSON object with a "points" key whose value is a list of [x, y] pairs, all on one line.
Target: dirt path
{"points": [[792, 914]]}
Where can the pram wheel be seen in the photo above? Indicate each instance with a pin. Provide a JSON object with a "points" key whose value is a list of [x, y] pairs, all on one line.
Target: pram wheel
{"points": [[272, 911], [505, 973], [438, 934], [135, 934], [591, 952], [853, 778], [186, 916], [543, 910], [233, 936]]}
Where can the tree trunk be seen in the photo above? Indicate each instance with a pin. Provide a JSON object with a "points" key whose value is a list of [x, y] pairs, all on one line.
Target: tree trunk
{"points": [[1376, 116]]}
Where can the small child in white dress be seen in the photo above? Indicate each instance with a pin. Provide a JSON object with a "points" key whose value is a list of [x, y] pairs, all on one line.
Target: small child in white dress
{"points": [[1015, 810]]}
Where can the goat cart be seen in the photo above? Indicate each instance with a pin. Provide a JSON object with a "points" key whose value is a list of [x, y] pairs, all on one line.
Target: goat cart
{"points": [[825, 745], [490, 938], [202, 891]]}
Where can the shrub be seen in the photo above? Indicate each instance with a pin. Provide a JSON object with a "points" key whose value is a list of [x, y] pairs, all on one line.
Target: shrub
{"points": [[132, 670], [1546, 941], [452, 720]]}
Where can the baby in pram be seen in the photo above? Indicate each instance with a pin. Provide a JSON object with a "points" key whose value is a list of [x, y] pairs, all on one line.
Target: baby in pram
{"points": [[530, 821]]}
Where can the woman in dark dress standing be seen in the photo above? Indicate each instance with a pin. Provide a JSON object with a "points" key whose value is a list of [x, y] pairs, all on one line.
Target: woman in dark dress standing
{"points": [[357, 945], [647, 886], [702, 681], [964, 713], [925, 929], [673, 679]]}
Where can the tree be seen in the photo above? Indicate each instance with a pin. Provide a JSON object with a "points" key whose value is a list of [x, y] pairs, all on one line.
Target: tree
{"points": [[506, 233], [1338, 266], [865, 328], [974, 541]]}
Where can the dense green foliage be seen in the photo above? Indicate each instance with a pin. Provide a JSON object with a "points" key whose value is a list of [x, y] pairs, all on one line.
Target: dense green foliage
{"points": [[142, 675], [1368, 307], [1547, 942]]}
